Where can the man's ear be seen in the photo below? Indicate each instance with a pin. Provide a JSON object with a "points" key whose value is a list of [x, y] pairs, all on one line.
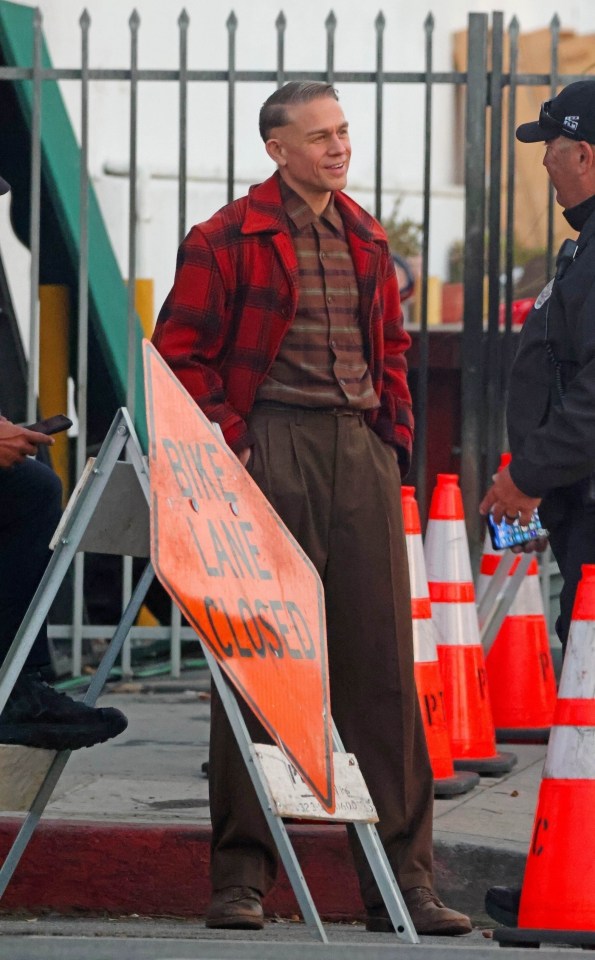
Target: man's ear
{"points": [[276, 152], [587, 155]]}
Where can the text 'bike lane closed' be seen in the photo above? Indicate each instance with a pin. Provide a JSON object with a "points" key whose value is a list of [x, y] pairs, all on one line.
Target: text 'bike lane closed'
{"points": [[255, 626]]}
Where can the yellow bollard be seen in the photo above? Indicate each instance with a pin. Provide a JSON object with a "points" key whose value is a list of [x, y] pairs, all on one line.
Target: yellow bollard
{"points": [[143, 302], [145, 618], [54, 353]]}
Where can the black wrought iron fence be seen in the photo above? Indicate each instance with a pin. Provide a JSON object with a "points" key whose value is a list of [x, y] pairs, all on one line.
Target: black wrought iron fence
{"points": [[485, 346]]}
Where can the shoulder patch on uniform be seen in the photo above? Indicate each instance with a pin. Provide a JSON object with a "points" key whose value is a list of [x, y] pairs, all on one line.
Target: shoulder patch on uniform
{"points": [[544, 295]]}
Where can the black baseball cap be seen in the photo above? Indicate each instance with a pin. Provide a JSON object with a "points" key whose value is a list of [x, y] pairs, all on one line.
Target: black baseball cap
{"points": [[570, 114], [4, 186]]}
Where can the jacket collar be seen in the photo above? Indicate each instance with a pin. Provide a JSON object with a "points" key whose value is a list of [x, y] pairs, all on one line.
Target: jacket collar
{"points": [[587, 232], [265, 213], [577, 216]]}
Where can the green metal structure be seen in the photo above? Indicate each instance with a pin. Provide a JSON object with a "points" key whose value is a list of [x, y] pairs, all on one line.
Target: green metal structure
{"points": [[60, 220]]}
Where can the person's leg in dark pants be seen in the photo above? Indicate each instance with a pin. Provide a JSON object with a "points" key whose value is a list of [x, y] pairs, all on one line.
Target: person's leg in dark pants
{"points": [[35, 715], [573, 544], [242, 851], [30, 509], [374, 698]]}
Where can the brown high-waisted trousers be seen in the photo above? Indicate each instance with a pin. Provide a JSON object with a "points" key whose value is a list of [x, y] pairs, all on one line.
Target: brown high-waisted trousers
{"points": [[336, 486]]}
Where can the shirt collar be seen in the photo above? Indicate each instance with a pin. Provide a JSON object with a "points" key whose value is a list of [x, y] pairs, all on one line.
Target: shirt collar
{"points": [[301, 214]]}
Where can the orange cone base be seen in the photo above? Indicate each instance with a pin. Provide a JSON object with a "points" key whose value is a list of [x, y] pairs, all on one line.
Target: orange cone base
{"points": [[559, 883], [508, 937], [454, 786], [472, 738], [521, 680]]}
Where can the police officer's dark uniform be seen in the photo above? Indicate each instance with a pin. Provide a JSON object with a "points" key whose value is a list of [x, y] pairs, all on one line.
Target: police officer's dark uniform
{"points": [[551, 409]]}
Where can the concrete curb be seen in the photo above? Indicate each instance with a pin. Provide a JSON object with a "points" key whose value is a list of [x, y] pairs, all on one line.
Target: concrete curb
{"points": [[73, 866], [464, 870]]}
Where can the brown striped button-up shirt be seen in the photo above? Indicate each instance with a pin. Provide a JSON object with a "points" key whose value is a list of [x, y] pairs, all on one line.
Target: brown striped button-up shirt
{"points": [[321, 360]]}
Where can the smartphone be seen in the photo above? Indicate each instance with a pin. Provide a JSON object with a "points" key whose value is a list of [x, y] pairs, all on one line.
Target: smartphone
{"points": [[51, 425], [504, 534]]}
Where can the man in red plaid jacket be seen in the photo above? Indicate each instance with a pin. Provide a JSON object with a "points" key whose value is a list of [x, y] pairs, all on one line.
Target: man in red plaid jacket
{"points": [[284, 324]]}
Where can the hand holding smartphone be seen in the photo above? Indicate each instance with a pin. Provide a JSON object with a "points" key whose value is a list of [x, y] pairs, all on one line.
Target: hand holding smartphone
{"points": [[51, 425], [514, 534]]}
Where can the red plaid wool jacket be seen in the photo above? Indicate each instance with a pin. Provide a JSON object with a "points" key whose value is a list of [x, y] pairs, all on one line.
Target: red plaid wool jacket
{"points": [[235, 296]]}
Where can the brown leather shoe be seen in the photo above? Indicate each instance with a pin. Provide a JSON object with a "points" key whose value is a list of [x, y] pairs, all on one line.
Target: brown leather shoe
{"points": [[428, 914], [235, 908]]}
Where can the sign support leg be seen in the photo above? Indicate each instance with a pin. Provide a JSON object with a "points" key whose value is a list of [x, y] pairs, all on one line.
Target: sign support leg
{"points": [[499, 597], [122, 630], [275, 823], [366, 832], [367, 835]]}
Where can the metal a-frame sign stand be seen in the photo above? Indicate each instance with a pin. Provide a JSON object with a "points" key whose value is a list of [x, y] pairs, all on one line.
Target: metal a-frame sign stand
{"points": [[493, 607], [109, 513]]}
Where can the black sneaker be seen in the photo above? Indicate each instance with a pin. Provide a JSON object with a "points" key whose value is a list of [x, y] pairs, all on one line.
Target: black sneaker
{"points": [[36, 715], [502, 904]]}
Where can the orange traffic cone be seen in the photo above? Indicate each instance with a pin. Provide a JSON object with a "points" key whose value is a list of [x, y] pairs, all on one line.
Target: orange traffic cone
{"points": [[428, 680], [519, 664], [558, 897], [459, 649]]}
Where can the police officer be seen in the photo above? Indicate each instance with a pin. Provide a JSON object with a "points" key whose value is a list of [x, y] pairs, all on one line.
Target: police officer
{"points": [[551, 408]]}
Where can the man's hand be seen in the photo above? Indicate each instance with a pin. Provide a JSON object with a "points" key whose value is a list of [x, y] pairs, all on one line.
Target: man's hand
{"points": [[538, 545], [504, 499], [244, 455], [16, 443]]}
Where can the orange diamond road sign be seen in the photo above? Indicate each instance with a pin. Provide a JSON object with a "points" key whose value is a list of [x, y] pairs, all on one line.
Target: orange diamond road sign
{"points": [[239, 577]]}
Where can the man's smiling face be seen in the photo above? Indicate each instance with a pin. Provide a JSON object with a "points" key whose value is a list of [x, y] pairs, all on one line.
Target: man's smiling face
{"points": [[313, 150]]}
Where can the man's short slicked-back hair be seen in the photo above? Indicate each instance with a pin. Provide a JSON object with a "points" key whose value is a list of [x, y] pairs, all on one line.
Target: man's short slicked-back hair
{"points": [[273, 112]]}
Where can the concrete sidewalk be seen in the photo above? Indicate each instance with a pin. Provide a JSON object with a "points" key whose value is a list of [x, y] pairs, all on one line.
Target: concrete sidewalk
{"points": [[127, 829]]}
